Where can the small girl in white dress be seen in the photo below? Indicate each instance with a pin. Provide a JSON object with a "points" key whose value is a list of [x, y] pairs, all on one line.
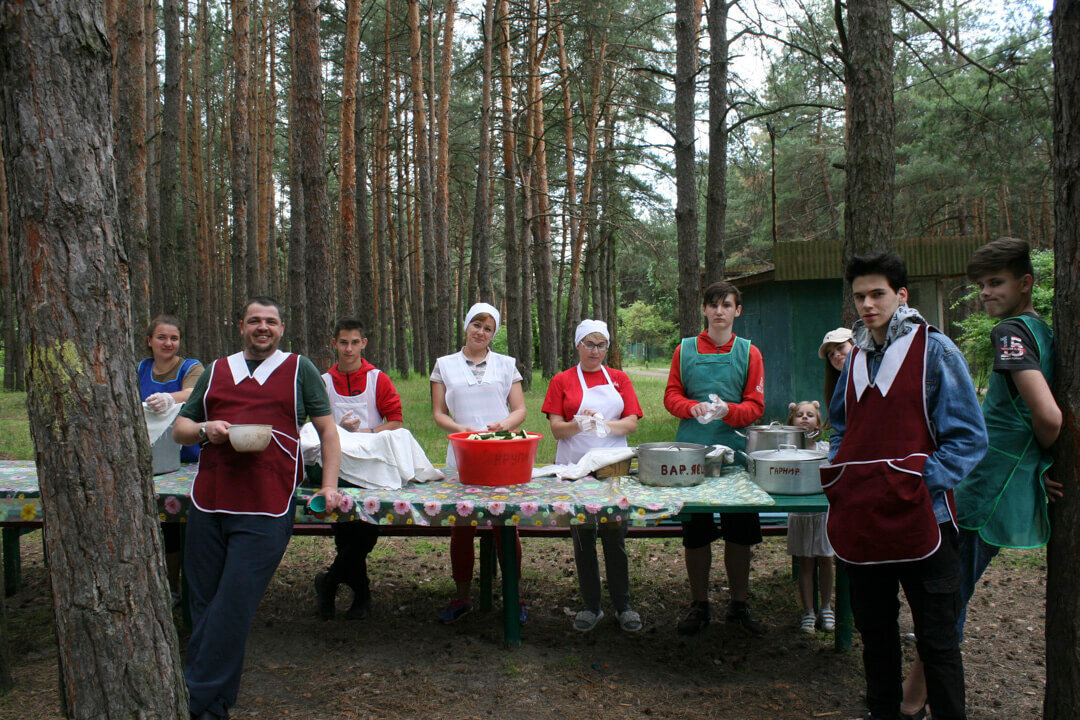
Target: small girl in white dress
{"points": [[807, 540]]}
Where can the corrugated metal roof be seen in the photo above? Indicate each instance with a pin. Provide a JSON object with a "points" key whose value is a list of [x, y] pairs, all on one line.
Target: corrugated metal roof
{"points": [[925, 257]]}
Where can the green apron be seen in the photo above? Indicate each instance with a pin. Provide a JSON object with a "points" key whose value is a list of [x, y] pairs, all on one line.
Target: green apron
{"points": [[1004, 498], [718, 374]]}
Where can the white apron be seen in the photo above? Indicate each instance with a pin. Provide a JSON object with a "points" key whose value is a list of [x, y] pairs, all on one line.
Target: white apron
{"points": [[476, 403], [607, 401], [363, 405]]}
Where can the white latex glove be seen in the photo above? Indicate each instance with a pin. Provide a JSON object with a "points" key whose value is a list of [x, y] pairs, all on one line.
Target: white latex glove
{"points": [[602, 429], [350, 421], [586, 423], [160, 402], [717, 410]]}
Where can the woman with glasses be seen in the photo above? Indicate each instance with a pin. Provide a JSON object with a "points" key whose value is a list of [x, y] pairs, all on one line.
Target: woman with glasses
{"points": [[592, 406]]}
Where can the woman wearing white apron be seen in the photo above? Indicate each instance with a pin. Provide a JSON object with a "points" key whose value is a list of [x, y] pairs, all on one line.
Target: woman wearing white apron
{"points": [[474, 389], [591, 406]]}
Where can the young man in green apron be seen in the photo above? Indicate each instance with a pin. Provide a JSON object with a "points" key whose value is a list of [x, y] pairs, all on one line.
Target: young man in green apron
{"points": [[717, 364], [1003, 502]]}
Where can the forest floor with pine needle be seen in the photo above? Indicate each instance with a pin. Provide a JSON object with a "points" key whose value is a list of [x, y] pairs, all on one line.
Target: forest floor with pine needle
{"points": [[402, 663]]}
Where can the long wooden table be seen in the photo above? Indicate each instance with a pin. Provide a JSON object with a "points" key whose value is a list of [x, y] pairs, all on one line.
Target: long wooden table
{"points": [[545, 502]]}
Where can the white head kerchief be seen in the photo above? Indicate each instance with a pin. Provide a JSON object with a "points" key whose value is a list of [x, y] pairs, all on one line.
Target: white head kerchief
{"points": [[588, 327], [479, 308]]}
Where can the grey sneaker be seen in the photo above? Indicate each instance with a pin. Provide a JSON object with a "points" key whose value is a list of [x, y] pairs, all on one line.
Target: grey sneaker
{"points": [[629, 620], [586, 620]]}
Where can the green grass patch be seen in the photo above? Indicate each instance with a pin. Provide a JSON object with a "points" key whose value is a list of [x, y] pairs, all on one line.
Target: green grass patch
{"points": [[1034, 559], [15, 442]]}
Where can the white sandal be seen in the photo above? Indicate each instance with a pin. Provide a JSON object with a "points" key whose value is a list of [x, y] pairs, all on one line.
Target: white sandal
{"points": [[808, 623], [586, 620], [828, 619]]}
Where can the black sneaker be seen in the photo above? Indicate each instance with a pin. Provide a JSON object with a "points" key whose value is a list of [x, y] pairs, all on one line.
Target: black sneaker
{"points": [[696, 620], [360, 608], [740, 614], [326, 591]]}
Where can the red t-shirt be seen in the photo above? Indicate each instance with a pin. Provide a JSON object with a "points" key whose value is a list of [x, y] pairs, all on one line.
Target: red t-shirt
{"points": [[387, 399], [739, 414], [564, 392]]}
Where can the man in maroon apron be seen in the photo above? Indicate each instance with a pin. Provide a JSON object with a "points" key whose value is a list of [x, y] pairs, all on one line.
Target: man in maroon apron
{"points": [[907, 429], [242, 514]]}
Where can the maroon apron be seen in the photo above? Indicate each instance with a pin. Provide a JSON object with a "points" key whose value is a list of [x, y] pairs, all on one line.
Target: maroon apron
{"points": [[251, 483], [880, 510]]}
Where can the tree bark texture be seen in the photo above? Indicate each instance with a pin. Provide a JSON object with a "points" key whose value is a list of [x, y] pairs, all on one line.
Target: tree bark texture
{"points": [[481, 234], [117, 642], [13, 370], [362, 233], [1063, 557], [153, 149], [240, 158], [686, 214], [347, 265], [716, 193], [312, 131], [442, 184], [172, 256], [297, 250], [422, 159], [130, 129], [870, 150], [512, 269]]}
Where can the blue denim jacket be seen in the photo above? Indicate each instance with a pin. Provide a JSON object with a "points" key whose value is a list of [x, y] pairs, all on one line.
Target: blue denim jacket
{"points": [[955, 418]]}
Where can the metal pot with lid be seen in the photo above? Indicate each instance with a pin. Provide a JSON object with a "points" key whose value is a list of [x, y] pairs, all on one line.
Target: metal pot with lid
{"points": [[671, 464], [773, 435], [787, 470]]}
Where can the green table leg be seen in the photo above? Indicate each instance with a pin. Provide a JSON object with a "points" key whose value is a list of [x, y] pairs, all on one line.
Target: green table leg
{"points": [[487, 569], [185, 590], [511, 611], [845, 623], [12, 561]]}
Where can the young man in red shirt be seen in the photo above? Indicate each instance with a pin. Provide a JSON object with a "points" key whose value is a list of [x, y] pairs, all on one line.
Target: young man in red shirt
{"points": [[363, 399], [717, 363]]}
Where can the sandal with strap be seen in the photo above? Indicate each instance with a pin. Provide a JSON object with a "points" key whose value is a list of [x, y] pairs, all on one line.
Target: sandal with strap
{"points": [[828, 620], [808, 624]]}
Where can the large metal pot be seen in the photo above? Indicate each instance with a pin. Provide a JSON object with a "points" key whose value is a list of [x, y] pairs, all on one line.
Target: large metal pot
{"points": [[671, 464], [773, 435], [787, 470]]}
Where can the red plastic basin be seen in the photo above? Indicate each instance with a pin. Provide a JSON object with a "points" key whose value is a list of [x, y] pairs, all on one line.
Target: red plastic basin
{"points": [[494, 462]]}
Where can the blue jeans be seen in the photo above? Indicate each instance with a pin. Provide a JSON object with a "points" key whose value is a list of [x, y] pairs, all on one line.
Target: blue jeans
{"points": [[975, 556]]}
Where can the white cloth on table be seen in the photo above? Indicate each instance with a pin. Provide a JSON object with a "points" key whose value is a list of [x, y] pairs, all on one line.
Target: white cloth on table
{"points": [[726, 454], [384, 460], [590, 461], [158, 423]]}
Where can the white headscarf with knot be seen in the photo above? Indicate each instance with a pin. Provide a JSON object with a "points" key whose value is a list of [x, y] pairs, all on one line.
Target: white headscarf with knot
{"points": [[479, 309], [588, 327]]}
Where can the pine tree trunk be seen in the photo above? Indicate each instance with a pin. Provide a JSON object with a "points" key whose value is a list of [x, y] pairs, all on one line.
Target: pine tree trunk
{"points": [[362, 282], [1063, 557], [13, 375], [347, 262], [716, 193], [153, 155], [512, 279], [130, 126], [480, 271], [297, 249], [442, 182], [686, 215], [117, 643], [170, 259], [240, 157], [870, 152], [312, 134]]}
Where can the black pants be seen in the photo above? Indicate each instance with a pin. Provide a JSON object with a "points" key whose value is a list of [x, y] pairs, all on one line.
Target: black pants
{"points": [[354, 541], [932, 588]]}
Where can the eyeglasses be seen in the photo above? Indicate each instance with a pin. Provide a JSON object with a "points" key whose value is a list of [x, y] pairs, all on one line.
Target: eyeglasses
{"points": [[601, 347]]}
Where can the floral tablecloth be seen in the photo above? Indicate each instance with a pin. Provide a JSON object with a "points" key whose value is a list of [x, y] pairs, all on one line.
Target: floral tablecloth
{"points": [[542, 502]]}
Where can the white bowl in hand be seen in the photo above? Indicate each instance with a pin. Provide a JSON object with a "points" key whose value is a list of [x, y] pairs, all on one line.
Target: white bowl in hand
{"points": [[250, 438]]}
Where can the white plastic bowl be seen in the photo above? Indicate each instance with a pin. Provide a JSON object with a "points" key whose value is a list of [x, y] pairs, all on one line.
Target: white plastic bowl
{"points": [[250, 438]]}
